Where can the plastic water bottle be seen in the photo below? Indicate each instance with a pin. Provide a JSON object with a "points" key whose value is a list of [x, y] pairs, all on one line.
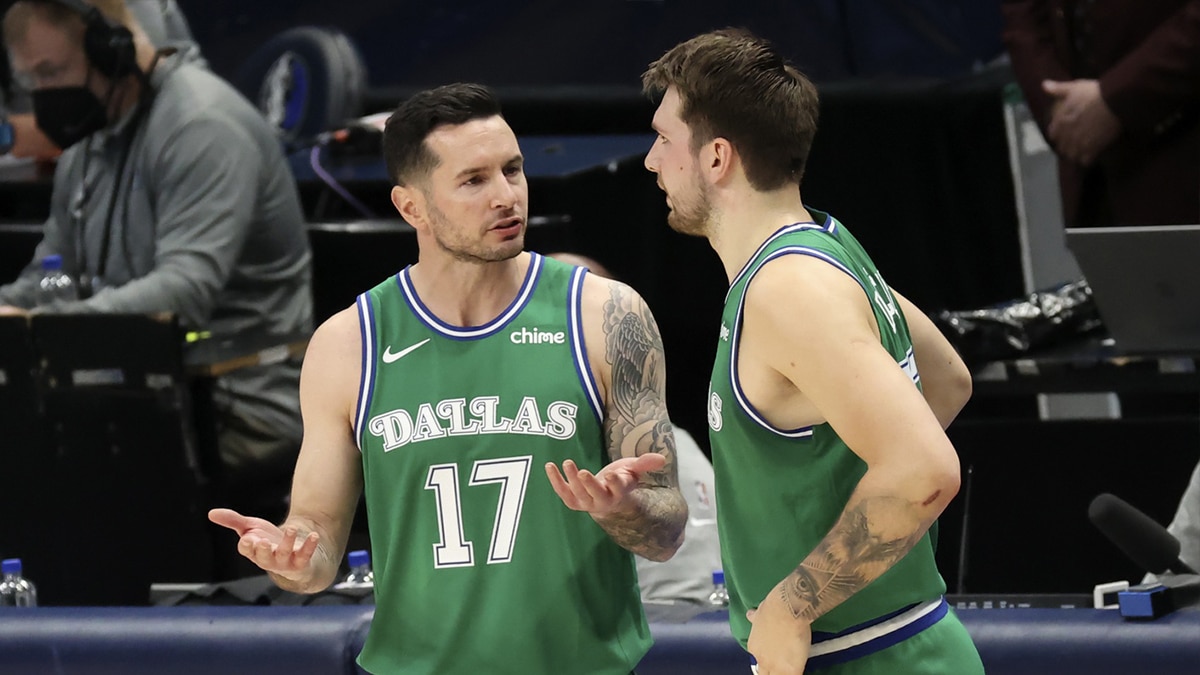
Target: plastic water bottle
{"points": [[55, 285], [16, 590], [720, 596], [360, 575]]}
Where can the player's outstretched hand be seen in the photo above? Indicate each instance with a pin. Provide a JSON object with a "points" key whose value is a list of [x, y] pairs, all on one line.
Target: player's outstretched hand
{"points": [[601, 493], [273, 549]]}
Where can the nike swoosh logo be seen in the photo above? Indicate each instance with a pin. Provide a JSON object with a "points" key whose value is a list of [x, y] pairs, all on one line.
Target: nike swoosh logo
{"points": [[701, 522], [389, 357]]}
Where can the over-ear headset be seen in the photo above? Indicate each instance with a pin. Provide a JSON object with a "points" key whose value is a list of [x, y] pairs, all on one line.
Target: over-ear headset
{"points": [[108, 45]]}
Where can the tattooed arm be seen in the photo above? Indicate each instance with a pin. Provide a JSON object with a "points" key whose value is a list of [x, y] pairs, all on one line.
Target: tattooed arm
{"points": [[825, 343], [636, 497]]}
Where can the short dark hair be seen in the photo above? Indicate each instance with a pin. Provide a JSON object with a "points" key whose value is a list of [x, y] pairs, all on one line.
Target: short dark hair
{"points": [[407, 155], [737, 86]]}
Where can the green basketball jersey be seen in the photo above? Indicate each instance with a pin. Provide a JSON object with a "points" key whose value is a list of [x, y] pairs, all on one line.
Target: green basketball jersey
{"points": [[797, 481], [479, 566]]}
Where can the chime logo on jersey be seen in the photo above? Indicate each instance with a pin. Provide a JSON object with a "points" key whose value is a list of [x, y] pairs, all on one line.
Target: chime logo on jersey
{"points": [[526, 336], [457, 417]]}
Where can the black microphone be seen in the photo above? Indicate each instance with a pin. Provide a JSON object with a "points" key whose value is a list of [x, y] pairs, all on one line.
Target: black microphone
{"points": [[1139, 537]]}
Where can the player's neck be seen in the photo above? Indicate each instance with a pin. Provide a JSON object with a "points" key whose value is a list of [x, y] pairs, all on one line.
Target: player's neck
{"points": [[468, 294], [744, 220]]}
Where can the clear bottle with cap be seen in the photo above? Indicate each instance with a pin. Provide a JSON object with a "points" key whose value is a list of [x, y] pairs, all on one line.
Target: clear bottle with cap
{"points": [[15, 589], [719, 596], [360, 575], [56, 285]]}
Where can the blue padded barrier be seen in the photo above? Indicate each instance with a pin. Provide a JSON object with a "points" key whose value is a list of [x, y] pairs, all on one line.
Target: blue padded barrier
{"points": [[1084, 641], [180, 640], [1010, 642], [326, 639]]}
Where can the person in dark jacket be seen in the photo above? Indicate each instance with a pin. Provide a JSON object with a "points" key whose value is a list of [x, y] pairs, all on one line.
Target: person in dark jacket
{"points": [[1115, 88]]}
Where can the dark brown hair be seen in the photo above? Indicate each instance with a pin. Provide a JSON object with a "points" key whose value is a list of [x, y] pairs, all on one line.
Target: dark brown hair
{"points": [[407, 155], [737, 86]]}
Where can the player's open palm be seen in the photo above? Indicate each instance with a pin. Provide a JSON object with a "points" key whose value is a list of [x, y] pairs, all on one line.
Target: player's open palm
{"points": [[273, 549], [603, 492]]}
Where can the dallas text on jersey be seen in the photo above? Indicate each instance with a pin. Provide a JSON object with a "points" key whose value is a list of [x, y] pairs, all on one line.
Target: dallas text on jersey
{"points": [[450, 417]]}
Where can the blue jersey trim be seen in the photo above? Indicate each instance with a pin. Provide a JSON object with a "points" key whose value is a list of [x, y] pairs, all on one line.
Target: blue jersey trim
{"points": [[579, 344], [909, 366], [739, 394], [831, 649], [366, 384], [829, 226], [744, 401], [877, 636], [425, 316], [815, 253]]}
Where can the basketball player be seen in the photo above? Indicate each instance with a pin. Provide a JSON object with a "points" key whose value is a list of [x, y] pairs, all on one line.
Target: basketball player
{"points": [[446, 391], [830, 465]]}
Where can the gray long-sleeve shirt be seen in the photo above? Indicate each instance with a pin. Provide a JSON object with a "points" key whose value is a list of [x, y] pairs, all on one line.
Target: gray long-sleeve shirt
{"points": [[206, 223], [165, 25]]}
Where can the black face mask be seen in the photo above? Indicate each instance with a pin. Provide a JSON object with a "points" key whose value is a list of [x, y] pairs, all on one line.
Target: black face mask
{"points": [[68, 115]]}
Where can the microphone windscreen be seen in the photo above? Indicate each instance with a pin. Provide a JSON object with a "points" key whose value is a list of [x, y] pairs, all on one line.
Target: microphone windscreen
{"points": [[1143, 540]]}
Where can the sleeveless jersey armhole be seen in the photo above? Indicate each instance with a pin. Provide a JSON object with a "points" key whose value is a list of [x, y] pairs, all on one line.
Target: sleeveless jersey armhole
{"points": [[366, 383], [583, 368], [735, 339]]}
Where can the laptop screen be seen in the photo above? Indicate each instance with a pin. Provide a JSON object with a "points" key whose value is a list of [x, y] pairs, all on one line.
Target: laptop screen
{"points": [[1146, 284]]}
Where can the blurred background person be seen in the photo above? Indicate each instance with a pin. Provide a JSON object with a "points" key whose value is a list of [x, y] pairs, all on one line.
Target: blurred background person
{"points": [[172, 195], [1115, 89], [164, 25]]}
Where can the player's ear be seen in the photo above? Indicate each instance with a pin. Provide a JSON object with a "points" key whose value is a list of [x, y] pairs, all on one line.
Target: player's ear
{"points": [[717, 158], [410, 204]]}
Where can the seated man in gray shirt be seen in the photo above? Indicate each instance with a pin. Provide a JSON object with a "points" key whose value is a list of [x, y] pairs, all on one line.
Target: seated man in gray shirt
{"points": [[172, 195]]}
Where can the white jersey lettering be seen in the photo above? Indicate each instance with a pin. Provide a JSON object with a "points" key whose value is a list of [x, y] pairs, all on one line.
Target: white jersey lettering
{"points": [[398, 428]]}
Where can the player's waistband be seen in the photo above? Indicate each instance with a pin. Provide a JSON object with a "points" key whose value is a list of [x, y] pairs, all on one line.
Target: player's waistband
{"points": [[876, 635]]}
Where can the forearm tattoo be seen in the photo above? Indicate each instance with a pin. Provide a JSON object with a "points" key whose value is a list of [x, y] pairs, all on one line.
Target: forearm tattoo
{"points": [[637, 423], [854, 553]]}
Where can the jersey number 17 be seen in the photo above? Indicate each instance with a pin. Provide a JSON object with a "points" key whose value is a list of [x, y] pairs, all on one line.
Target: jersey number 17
{"points": [[452, 548]]}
